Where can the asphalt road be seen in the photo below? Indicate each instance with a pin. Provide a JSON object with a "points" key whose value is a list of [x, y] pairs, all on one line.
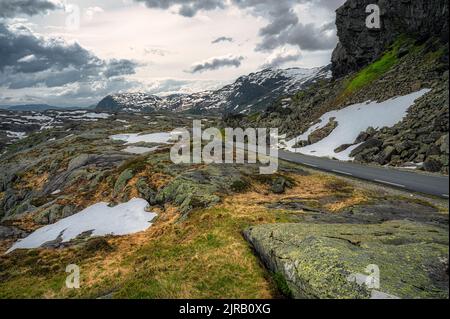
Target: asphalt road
{"points": [[411, 181]]}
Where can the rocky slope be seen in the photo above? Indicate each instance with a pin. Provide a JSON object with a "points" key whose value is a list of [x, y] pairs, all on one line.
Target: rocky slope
{"points": [[408, 64], [318, 235], [195, 247], [359, 46], [17, 125], [250, 93]]}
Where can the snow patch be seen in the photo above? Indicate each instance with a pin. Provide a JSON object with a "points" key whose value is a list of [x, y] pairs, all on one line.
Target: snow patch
{"points": [[353, 120], [16, 135], [157, 138], [139, 150], [123, 219]]}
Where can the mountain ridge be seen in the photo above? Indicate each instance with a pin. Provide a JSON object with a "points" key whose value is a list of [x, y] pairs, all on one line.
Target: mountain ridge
{"points": [[249, 93]]}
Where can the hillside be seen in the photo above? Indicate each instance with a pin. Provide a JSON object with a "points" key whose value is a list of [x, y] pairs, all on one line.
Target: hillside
{"points": [[99, 191], [407, 63], [250, 93]]}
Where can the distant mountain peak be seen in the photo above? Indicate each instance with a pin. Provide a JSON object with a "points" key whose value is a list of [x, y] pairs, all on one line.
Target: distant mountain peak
{"points": [[249, 93]]}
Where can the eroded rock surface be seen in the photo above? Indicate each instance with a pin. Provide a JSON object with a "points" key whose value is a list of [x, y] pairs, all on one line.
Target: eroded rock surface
{"points": [[320, 260]]}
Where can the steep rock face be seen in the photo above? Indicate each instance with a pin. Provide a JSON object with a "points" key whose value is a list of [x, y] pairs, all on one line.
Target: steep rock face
{"points": [[418, 141], [359, 45]]}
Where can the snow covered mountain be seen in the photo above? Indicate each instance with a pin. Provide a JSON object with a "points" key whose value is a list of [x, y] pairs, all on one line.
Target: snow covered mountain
{"points": [[250, 93]]}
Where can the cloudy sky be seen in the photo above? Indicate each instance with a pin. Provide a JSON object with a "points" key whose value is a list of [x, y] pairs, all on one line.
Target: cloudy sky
{"points": [[74, 52]]}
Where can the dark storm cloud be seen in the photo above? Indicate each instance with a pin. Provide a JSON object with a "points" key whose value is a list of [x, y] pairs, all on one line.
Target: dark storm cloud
{"points": [[29, 61], [188, 8], [12, 8], [284, 26], [309, 37], [222, 39], [216, 63], [120, 67]]}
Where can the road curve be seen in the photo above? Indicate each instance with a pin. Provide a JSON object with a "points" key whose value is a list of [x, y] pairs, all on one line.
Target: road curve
{"points": [[422, 183]]}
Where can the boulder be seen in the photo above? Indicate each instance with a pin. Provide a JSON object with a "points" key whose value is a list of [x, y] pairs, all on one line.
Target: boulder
{"points": [[432, 164], [53, 212], [146, 192], [320, 134], [369, 144], [7, 232], [326, 260], [386, 155], [279, 185], [342, 148], [444, 144], [80, 161]]}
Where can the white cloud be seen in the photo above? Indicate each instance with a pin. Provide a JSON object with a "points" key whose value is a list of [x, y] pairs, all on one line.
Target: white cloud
{"points": [[92, 11], [166, 43], [281, 57]]}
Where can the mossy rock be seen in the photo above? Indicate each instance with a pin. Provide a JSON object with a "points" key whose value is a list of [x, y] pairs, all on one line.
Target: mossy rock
{"points": [[202, 188], [122, 180], [317, 260], [239, 186], [188, 194], [145, 191], [53, 213]]}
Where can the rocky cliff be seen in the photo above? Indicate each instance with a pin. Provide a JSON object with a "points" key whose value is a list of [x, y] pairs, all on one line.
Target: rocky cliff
{"points": [[359, 45], [400, 59]]}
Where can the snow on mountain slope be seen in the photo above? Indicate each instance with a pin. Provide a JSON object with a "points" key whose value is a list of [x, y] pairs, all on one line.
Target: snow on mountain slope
{"points": [[353, 120], [247, 94]]}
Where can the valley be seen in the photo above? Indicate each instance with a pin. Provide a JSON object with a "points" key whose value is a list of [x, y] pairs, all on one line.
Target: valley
{"points": [[205, 217]]}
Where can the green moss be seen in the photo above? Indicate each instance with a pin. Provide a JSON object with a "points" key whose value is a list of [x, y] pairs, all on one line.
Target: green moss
{"points": [[239, 186], [282, 284], [375, 70], [372, 72], [122, 180], [318, 258], [136, 164], [253, 117]]}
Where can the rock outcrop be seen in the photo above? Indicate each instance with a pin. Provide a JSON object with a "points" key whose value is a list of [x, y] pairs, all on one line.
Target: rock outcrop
{"points": [[335, 260], [358, 45]]}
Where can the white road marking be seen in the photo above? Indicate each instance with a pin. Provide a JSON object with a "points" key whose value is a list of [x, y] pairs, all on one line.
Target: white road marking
{"points": [[341, 172], [312, 165], [389, 183]]}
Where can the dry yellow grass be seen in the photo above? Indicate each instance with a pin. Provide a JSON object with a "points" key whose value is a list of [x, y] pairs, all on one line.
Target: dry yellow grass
{"points": [[32, 180], [204, 256]]}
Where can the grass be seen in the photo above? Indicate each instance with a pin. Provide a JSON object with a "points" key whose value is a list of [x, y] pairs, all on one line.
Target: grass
{"points": [[372, 72], [204, 256], [282, 285], [375, 70]]}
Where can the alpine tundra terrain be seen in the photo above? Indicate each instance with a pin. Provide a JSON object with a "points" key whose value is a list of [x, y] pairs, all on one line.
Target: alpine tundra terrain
{"points": [[96, 188]]}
